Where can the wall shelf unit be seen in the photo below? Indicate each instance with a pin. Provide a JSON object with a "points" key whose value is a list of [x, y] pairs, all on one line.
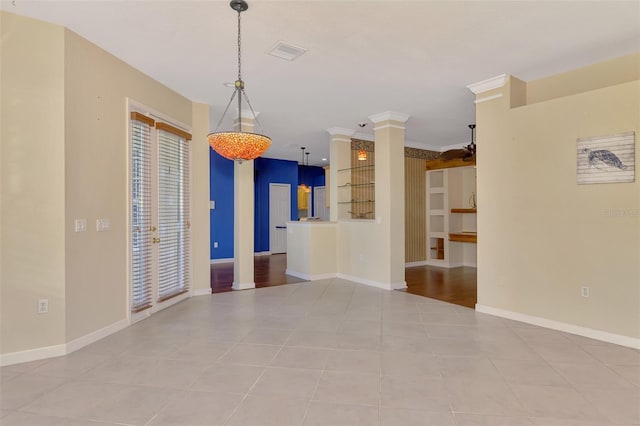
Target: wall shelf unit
{"points": [[466, 222], [356, 192], [450, 225]]}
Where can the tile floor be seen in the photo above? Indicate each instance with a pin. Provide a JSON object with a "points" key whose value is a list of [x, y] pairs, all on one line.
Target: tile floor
{"points": [[328, 353]]}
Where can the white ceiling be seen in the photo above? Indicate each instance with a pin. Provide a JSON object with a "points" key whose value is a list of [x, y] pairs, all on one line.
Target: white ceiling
{"points": [[364, 57]]}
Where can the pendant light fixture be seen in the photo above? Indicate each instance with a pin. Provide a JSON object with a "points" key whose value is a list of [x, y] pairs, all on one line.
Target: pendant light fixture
{"points": [[362, 155], [304, 186], [239, 145]]}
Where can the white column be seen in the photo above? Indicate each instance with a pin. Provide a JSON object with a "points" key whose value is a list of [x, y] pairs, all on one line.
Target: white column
{"points": [[339, 158], [389, 145], [243, 211]]}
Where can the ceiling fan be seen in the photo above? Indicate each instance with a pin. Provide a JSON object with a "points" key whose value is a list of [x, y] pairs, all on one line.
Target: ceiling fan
{"points": [[467, 153]]}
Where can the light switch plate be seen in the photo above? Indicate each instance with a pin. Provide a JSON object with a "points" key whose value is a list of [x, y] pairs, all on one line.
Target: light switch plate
{"points": [[81, 225], [212, 204], [103, 225]]}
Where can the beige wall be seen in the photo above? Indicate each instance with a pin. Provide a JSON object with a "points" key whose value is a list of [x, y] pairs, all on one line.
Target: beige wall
{"points": [[33, 183], [97, 85], [373, 251], [64, 156], [200, 217], [542, 236]]}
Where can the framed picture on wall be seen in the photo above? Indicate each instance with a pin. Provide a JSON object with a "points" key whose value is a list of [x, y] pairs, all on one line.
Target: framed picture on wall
{"points": [[606, 159]]}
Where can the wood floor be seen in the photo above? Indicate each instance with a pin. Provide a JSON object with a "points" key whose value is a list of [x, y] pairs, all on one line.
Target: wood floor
{"points": [[268, 271], [455, 285]]}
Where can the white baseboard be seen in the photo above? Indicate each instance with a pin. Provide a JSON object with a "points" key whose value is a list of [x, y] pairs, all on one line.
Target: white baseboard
{"points": [[63, 349], [201, 291], [377, 284], [262, 253], [94, 336], [604, 336], [309, 277], [32, 354], [243, 286], [418, 263]]}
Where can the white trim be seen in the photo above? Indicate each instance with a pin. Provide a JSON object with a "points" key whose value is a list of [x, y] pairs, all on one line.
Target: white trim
{"points": [[246, 114], [488, 98], [202, 291], [32, 354], [316, 224], [262, 253], [371, 283], [94, 336], [418, 263], [139, 316], [419, 145], [243, 286], [488, 84], [335, 131], [437, 262], [591, 333], [63, 349], [310, 277], [389, 115], [223, 260], [158, 306], [364, 136], [389, 126]]}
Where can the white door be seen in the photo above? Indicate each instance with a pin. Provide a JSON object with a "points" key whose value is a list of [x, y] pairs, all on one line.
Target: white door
{"points": [[320, 205], [159, 244], [279, 215]]}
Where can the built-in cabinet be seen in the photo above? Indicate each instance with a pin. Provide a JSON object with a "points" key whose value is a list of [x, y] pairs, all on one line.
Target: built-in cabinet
{"points": [[451, 217]]}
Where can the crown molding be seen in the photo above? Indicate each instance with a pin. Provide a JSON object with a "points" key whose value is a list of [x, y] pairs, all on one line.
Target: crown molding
{"points": [[363, 136], [488, 84], [246, 113], [389, 115], [333, 131], [487, 98]]}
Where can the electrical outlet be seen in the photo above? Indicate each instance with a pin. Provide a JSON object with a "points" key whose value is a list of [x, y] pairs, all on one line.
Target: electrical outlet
{"points": [[215, 244], [43, 306], [585, 291]]}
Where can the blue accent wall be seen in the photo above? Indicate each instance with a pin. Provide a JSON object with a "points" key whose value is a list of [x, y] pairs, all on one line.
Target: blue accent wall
{"points": [[221, 191], [266, 171]]}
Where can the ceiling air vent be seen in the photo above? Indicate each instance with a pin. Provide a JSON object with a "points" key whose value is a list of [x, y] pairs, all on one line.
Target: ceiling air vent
{"points": [[288, 51]]}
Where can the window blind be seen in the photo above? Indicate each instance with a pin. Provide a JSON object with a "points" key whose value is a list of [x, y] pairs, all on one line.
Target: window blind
{"points": [[173, 212], [141, 274]]}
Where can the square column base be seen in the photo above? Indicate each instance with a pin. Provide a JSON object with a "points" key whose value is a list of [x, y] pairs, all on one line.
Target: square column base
{"points": [[243, 286]]}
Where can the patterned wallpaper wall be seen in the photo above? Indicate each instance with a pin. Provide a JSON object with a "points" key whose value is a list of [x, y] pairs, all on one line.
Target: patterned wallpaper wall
{"points": [[422, 154]]}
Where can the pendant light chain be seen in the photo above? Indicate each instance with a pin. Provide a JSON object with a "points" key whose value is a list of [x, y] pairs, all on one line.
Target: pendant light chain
{"points": [[239, 55], [238, 145], [239, 83]]}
